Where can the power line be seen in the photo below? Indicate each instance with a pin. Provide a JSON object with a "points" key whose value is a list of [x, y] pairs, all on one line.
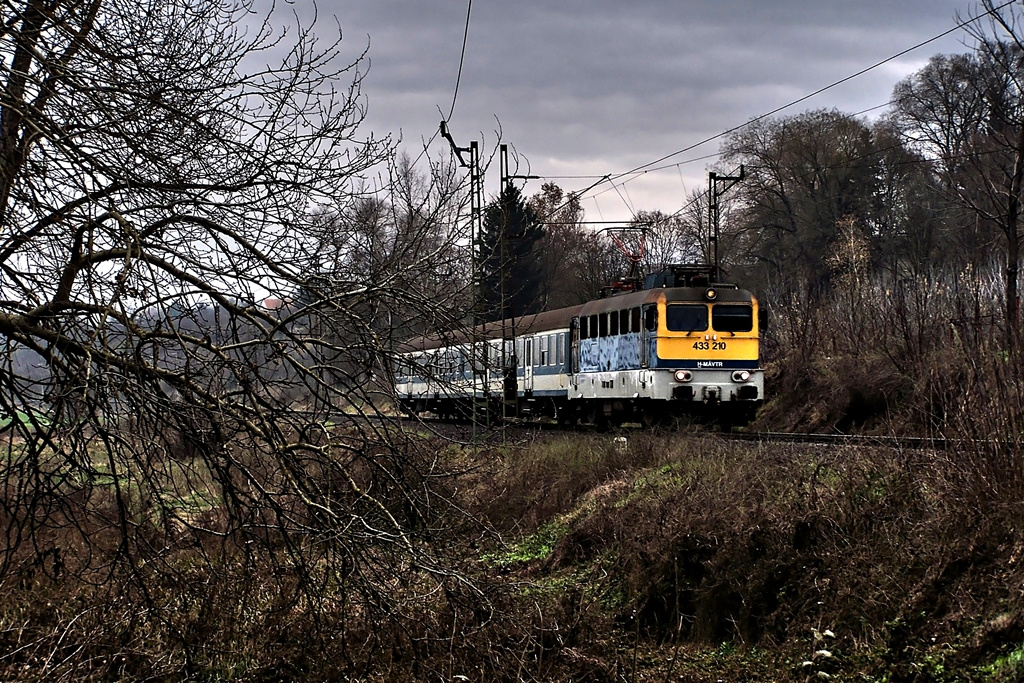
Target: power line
{"points": [[462, 60], [646, 168], [455, 95], [823, 89], [918, 161], [714, 155], [677, 164]]}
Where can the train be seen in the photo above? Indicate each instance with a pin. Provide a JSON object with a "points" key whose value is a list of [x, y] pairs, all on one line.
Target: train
{"points": [[648, 351]]}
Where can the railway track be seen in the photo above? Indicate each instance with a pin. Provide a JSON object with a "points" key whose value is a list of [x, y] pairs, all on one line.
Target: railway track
{"points": [[489, 430], [934, 443], [895, 442]]}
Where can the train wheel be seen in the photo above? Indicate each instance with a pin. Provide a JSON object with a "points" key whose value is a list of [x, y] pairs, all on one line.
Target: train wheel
{"points": [[731, 417], [653, 416], [566, 416]]}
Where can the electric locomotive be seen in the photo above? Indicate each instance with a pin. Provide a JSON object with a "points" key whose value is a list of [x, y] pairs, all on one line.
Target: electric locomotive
{"points": [[676, 343]]}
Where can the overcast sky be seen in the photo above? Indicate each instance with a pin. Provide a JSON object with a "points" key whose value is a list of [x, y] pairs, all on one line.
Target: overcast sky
{"points": [[587, 88]]}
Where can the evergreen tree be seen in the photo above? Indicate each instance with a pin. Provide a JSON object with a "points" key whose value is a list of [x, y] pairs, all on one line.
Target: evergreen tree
{"points": [[511, 271]]}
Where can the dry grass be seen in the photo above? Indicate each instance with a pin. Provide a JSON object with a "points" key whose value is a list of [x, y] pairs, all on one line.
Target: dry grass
{"points": [[642, 556]]}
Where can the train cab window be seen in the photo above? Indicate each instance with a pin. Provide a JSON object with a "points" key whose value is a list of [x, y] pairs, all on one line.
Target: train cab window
{"points": [[634, 316], [613, 323], [686, 317], [624, 322], [732, 318], [602, 325], [651, 319], [583, 327], [593, 327]]}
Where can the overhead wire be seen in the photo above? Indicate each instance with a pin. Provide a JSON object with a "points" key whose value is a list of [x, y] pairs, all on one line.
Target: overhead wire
{"points": [[919, 161], [714, 155], [646, 168], [825, 88], [643, 169], [462, 60], [458, 81]]}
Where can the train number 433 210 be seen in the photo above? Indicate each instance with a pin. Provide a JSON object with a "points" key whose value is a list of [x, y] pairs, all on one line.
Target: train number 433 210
{"points": [[712, 346]]}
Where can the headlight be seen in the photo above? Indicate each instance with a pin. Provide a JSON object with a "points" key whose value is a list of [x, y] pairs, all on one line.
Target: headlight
{"points": [[710, 294], [741, 376], [683, 375]]}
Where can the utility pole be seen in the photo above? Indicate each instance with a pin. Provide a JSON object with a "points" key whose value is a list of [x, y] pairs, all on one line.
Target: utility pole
{"points": [[476, 203], [510, 389], [717, 186], [506, 177], [477, 365]]}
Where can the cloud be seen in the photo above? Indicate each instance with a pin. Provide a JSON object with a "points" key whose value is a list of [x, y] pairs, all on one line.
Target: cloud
{"points": [[604, 86]]}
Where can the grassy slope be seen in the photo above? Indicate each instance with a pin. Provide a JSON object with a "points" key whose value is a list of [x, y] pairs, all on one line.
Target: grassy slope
{"points": [[674, 558]]}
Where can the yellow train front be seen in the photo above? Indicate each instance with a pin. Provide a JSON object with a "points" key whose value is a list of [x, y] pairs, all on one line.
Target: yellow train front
{"points": [[681, 344]]}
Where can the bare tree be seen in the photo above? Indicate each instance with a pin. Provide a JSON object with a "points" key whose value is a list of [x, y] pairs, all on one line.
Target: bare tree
{"points": [[405, 251], [679, 238], [165, 387], [576, 260], [966, 112], [805, 174]]}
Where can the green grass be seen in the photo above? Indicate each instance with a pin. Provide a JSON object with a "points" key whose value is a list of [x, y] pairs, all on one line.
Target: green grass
{"points": [[1009, 667], [24, 418], [537, 546]]}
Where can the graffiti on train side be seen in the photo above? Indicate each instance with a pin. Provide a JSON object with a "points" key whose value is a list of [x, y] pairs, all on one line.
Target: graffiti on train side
{"points": [[621, 352]]}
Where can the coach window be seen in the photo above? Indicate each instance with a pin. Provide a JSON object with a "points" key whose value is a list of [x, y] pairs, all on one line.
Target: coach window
{"points": [[686, 317], [732, 318], [561, 348], [602, 325], [536, 351], [635, 317], [613, 323], [651, 319], [593, 327], [583, 327], [624, 322]]}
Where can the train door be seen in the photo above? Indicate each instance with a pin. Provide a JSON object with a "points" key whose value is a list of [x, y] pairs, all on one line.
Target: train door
{"points": [[510, 382], [528, 365], [574, 347], [648, 331]]}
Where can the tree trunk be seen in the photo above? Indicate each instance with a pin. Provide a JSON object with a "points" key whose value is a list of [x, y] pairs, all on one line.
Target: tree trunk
{"points": [[1013, 242]]}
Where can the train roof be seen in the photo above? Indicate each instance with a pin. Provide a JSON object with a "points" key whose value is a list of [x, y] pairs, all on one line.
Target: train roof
{"points": [[534, 323], [560, 318], [723, 294], [676, 283]]}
